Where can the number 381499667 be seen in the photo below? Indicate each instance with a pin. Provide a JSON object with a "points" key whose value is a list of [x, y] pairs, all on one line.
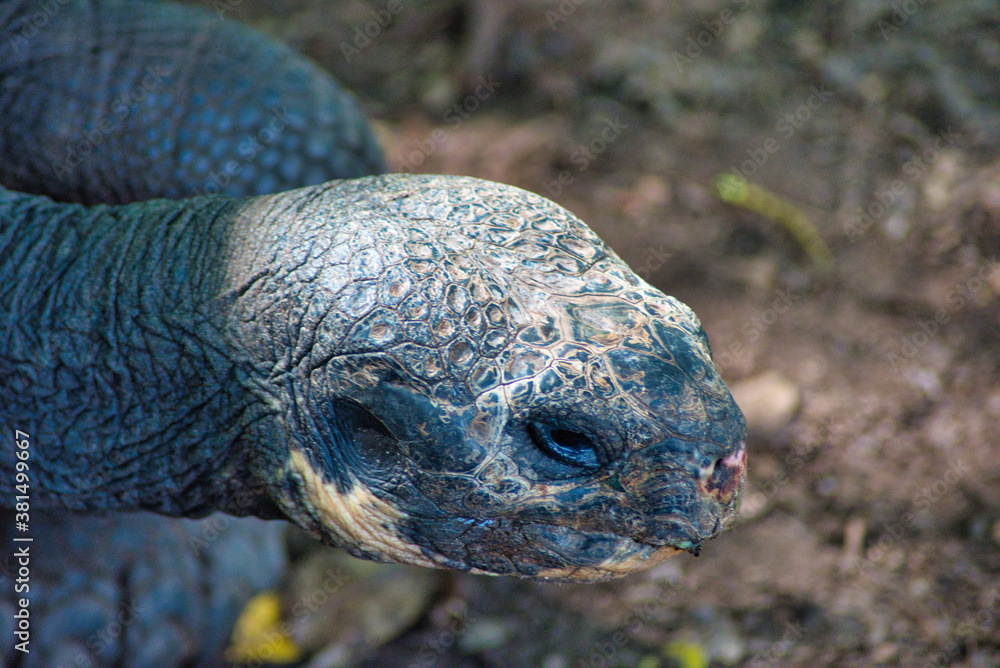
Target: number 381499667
{"points": [[22, 479]]}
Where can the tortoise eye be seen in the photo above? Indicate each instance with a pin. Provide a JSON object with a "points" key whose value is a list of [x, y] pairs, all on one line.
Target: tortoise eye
{"points": [[366, 436], [568, 447]]}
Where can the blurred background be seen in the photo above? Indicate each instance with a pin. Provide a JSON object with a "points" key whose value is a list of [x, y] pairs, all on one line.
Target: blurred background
{"points": [[847, 278]]}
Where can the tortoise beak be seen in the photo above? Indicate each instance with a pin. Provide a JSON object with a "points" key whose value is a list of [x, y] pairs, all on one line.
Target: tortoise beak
{"points": [[685, 503]]}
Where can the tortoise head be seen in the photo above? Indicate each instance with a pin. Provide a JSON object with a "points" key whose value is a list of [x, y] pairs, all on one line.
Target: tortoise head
{"points": [[474, 380]]}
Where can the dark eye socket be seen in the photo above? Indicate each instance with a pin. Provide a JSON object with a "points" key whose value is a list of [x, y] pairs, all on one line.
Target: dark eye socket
{"points": [[365, 434], [569, 447]]}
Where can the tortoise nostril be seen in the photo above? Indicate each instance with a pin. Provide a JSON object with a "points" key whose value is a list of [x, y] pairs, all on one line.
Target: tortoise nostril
{"points": [[725, 477]]}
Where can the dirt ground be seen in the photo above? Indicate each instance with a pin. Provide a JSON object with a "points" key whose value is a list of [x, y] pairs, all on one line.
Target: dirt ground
{"points": [[870, 531]]}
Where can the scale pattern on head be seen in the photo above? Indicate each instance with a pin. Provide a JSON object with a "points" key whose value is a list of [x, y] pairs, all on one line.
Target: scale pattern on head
{"points": [[464, 375]]}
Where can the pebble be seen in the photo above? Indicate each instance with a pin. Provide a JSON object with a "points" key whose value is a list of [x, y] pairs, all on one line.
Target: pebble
{"points": [[769, 401], [340, 605], [725, 644], [886, 653], [715, 635], [847, 633], [555, 661], [484, 634]]}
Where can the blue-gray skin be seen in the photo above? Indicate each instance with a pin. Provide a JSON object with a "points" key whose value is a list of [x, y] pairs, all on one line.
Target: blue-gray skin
{"points": [[132, 589], [111, 102], [436, 370], [116, 101]]}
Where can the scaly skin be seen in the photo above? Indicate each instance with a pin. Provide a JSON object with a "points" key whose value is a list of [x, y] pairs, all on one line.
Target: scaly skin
{"points": [[121, 101], [390, 362]]}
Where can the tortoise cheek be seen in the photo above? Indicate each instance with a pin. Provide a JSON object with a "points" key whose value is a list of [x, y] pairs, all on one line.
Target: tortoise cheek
{"points": [[356, 520]]}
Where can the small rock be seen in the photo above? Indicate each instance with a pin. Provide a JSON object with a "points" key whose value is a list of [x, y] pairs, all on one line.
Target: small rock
{"points": [[769, 401], [920, 587], [725, 645], [555, 661], [339, 605], [717, 634], [648, 193], [694, 196], [334, 656], [847, 633], [827, 485], [886, 653], [484, 634]]}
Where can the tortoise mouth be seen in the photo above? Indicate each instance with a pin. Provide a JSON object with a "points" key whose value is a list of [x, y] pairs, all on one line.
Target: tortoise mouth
{"points": [[597, 541], [551, 552]]}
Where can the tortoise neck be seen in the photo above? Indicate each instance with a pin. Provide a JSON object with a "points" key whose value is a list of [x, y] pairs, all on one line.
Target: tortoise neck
{"points": [[113, 355]]}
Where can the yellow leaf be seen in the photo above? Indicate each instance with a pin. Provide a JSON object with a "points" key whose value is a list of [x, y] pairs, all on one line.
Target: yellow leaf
{"points": [[260, 636], [687, 654]]}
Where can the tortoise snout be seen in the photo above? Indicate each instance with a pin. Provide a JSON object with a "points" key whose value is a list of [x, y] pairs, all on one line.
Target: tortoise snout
{"points": [[690, 491], [724, 478]]}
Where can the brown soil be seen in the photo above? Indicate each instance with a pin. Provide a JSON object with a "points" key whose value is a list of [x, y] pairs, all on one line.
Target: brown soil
{"points": [[871, 524]]}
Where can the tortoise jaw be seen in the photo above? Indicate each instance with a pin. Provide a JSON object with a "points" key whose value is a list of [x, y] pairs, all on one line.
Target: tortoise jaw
{"points": [[556, 553], [568, 552], [658, 541]]}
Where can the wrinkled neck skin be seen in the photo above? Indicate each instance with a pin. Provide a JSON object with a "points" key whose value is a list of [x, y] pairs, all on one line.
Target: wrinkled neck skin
{"points": [[113, 357]]}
